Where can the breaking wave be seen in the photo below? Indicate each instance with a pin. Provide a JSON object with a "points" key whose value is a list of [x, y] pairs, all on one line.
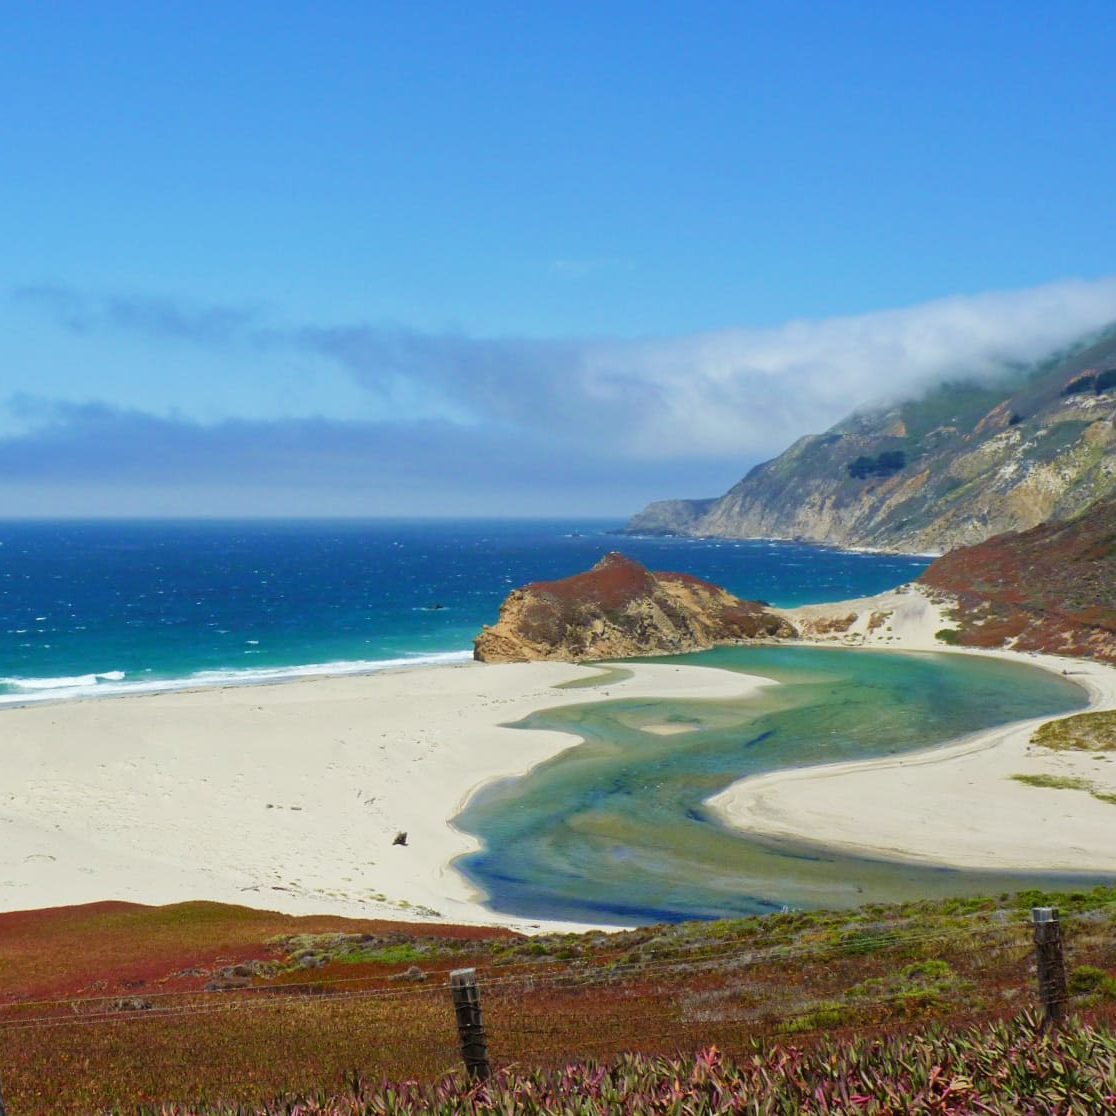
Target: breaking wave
{"points": [[23, 691]]}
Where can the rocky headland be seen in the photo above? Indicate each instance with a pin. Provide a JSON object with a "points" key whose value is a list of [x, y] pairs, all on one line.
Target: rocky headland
{"points": [[620, 609], [967, 461]]}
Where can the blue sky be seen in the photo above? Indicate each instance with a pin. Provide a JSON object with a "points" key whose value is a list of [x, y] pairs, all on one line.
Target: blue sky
{"points": [[511, 259]]}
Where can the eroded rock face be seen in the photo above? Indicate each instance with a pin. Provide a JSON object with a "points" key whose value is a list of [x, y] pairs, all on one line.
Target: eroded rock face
{"points": [[1051, 589], [961, 464], [620, 609]]}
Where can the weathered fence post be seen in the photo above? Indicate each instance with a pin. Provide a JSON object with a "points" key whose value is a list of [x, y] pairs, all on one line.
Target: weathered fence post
{"points": [[1051, 965], [470, 1025]]}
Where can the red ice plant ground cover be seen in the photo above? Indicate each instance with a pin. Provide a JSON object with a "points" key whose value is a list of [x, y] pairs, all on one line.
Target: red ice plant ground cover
{"points": [[1052, 588], [120, 947], [299, 1007], [998, 1069]]}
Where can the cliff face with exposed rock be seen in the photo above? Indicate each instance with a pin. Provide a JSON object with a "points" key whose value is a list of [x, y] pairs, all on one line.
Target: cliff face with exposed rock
{"points": [[617, 610], [960, 465], [1052, 588]]}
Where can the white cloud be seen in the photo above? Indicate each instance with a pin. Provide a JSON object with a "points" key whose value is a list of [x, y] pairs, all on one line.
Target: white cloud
{"points": [[749, 392], [731, 397]]}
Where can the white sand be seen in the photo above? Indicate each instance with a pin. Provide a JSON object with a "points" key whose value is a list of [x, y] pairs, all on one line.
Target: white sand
{"points": [[953, 805], [285, 797]]}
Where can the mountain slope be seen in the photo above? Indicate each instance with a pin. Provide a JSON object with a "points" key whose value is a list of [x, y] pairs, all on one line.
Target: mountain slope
{"points": [[1052, 588], [961, 464]]}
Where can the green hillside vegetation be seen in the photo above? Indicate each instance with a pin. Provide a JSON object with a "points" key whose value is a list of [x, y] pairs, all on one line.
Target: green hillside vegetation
{"points": [[109, 1009], [883, 465], [953, 407]]}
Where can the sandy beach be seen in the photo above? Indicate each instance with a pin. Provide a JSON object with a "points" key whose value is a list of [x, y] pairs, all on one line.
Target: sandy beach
{"points": [[286, 797], [289, 797], [956, 804]]}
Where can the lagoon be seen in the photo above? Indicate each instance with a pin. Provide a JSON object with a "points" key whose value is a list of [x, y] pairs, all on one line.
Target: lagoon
{"points": [[615, 830]]}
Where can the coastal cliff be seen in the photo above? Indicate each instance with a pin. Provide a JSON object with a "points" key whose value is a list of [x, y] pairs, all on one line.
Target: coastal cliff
{"points": [[620, 609], [965, 462], [1052, 588]]}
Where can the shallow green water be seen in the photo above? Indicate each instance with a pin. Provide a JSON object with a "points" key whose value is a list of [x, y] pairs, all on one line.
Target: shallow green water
{"points": [[614, 829]]}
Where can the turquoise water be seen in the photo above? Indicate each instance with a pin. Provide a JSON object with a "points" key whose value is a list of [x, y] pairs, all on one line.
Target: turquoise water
{"points": [[112, 607], [614, 830]]}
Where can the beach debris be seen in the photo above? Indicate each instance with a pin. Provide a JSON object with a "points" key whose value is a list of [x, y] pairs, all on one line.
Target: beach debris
{"points": [[400, 838]]}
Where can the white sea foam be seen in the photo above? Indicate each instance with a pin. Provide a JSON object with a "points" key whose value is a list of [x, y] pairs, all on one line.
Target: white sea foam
{"points": [[115, 682], [77, 680]]}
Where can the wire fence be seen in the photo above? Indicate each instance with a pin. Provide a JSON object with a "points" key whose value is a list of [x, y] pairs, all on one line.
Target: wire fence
{"points": [[676, 956], [681, 958], [659, 997], [686, 961]]}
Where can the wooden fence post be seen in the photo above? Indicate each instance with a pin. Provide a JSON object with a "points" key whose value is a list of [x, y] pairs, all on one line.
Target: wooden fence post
{"points": [[1051, 965], [470, 1025]]}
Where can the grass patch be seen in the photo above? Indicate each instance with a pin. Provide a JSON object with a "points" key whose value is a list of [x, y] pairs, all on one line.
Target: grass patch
{"points": [[1088, 980], [823, 1017], [918, 986], [1055, 782], [403, 954], [1066, 782], [355, 949], [1083, 732]]}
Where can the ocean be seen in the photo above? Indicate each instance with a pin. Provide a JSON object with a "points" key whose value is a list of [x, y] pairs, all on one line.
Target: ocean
{"points": [[612, 831], [95, 608]]}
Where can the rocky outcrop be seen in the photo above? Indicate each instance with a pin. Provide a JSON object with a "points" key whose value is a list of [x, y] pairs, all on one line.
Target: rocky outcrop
{"points": [[619, 609], [1052, 588], [958, 466]]}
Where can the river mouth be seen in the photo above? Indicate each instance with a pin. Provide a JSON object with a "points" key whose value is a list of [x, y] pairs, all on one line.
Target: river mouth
{"points": [[614, 830]]}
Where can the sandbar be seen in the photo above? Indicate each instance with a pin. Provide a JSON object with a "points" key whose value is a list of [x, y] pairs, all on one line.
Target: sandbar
{"points": [[289, 797], [955, 804], [286, 797]]}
